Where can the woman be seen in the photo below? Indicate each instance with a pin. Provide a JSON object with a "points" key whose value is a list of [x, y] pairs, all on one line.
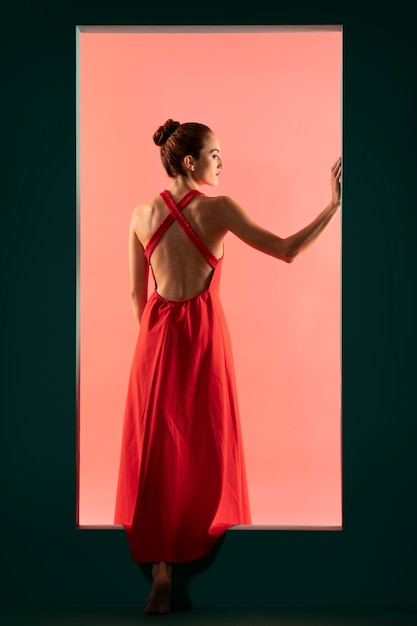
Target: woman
{"points": [[182, 479]]}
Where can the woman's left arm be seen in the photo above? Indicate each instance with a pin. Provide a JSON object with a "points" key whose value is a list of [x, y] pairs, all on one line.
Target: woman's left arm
{"points": [[138, 271]]}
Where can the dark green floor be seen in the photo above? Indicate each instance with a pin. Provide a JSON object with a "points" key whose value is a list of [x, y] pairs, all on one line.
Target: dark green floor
{"points": [[216, 617]]}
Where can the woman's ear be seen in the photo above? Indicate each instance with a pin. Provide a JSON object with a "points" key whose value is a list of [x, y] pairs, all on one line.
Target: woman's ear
{"points": [[189, 163]]}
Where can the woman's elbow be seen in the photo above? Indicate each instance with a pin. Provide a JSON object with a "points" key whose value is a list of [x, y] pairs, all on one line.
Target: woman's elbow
{"points": [[288, 251], [137, 305], [291, 256]]}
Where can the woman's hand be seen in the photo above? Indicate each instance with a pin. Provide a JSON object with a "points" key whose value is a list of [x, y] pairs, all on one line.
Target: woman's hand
{"points": [[336, 181]]}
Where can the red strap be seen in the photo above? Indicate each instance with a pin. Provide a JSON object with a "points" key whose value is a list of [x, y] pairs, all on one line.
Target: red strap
{"points": [[158, 234], [166, 223], [186, 226]]}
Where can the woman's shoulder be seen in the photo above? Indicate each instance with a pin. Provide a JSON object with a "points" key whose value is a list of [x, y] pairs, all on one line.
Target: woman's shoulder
{"points": [[215, 201], [147, 207], [156, 203]]}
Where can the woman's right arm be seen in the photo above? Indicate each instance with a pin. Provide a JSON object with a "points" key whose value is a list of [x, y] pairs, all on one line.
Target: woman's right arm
{"points": [[237, 220]]}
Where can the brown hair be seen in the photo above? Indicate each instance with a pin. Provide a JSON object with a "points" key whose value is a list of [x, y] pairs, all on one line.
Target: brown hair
{"points": [[177, 141]]}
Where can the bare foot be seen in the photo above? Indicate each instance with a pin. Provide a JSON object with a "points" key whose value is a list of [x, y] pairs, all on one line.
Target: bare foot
{"points": [[159, 600]]}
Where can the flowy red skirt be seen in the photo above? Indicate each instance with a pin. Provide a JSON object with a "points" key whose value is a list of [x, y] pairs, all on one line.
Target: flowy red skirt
{"points": [[182, 479]]}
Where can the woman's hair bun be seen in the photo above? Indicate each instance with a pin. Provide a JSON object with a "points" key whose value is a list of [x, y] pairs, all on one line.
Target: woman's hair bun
{"points": [[165, 131]]}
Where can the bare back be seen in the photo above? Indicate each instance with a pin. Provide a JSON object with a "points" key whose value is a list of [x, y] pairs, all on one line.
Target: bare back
{"points": [[180, 270]]}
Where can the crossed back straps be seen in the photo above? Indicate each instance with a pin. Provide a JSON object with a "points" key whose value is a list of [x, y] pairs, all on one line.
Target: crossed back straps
{"points": [[175, 214]]}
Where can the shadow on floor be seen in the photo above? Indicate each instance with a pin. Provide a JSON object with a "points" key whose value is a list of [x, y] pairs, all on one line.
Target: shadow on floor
{"points": [[210, 617], [184, 574]]}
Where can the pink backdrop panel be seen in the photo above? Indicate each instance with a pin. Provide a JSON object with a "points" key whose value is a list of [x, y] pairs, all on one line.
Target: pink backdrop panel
{"points": [[274, 101]]}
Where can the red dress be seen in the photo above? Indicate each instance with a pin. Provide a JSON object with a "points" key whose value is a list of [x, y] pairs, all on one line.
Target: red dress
{"points": [[182, 479]]}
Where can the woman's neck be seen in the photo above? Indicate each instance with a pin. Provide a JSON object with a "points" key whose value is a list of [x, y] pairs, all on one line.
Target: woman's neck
{"points": [[181, 185]]}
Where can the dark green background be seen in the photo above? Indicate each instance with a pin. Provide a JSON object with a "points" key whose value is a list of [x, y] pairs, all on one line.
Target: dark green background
{"points": [[44, 559]]}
